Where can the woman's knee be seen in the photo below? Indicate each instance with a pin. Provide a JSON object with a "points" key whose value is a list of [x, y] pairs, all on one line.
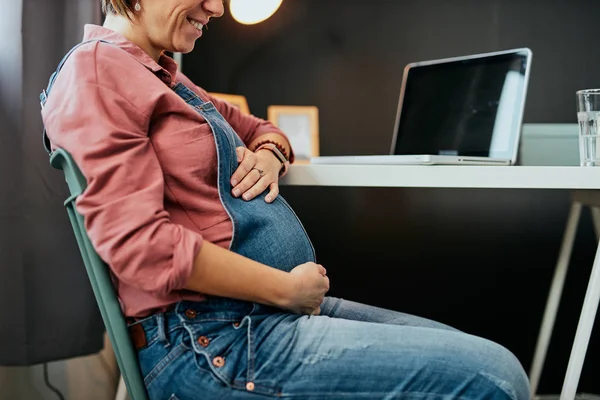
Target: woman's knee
{"points": [[502, 370]]}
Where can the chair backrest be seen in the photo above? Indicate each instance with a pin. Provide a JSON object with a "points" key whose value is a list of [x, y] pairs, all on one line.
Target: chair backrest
{"points": [[101, 281]]}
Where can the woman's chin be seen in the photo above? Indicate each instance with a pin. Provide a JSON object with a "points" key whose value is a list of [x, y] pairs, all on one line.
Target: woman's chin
{"points": [[185, 48]]}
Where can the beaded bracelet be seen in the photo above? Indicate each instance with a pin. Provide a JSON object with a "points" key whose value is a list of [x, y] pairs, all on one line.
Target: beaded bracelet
{"points": [[279, 146], [285, 163]]}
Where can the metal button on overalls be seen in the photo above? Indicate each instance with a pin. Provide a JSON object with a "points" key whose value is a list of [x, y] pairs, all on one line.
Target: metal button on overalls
{"points": [[203, 341], [218, 362]]}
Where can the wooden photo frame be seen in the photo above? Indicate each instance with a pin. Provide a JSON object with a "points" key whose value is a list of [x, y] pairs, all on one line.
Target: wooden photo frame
{"points": [[235, 100], [301, 125]]}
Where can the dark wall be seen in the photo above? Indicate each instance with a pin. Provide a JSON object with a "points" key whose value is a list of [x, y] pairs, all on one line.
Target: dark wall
{"points": [[481, 260], [347, 57]]}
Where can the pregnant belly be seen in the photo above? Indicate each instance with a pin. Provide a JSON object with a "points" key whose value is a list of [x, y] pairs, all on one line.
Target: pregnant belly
{"points": [[271, 234]]}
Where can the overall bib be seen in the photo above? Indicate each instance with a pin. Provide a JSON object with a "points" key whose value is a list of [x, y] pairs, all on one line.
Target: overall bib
{"points": [[268, 233]]}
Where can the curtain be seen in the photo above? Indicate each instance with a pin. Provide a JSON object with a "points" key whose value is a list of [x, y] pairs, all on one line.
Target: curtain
{"points": [[47, 308]]}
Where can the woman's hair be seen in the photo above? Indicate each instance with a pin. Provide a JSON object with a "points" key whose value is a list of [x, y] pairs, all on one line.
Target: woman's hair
{"points": [[119, 7]]}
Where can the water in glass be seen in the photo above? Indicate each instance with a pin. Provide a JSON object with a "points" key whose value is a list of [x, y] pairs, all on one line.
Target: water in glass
{"points": [[589, 138]]}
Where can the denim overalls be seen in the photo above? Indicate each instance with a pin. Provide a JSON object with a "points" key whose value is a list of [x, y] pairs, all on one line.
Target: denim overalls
{"points": [[230, 349]]}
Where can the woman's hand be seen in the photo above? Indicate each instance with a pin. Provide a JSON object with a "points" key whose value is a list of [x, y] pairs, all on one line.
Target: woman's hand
{"points": [[256, 172], [310, 283]]}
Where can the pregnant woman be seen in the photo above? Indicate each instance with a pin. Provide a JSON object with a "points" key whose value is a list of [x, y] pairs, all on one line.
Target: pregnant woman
{"points": [[214, 270]]}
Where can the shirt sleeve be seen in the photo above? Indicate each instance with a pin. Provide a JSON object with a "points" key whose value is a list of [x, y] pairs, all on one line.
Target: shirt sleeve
{"points": [[123, 204]]}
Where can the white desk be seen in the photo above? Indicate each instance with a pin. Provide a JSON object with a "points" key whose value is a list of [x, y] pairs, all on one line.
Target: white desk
{"points": [[444, 176], [584, 183]]}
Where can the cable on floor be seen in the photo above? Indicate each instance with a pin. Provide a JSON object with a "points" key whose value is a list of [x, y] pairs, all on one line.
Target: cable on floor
{"points": [[49, 385]]}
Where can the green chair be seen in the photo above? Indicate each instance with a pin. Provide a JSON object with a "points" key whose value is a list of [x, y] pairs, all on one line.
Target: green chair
{"points": [[101, 281]]}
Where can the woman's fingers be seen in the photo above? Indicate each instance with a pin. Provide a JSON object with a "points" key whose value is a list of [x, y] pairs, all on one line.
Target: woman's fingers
{"points": [[247, 160], [251, 179], [251, 186], [322, 269], [273, 192]]}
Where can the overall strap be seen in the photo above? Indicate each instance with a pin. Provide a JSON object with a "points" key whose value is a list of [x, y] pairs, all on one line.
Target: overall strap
{"points": [[46, 92], [188, 95]]}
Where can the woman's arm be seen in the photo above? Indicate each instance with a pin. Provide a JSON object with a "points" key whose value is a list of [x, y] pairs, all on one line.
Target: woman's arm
{"points": [[220, 272], [251, 130]]}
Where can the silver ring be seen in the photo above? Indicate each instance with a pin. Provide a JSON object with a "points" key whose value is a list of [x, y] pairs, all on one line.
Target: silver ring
{"points": [[260, 171]]}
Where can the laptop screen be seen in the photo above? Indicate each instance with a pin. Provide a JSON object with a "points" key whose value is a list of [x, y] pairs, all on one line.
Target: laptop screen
{"points": [[463, 107]]}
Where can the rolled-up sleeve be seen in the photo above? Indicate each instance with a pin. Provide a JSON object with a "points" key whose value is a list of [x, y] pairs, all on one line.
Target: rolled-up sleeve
{"points": [[248, 127], [123, 203]]}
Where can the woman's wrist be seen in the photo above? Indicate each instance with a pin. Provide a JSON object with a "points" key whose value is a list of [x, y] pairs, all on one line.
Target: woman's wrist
{"points": [[277, 146], [276, 152], [282, 165], [286, 286]]}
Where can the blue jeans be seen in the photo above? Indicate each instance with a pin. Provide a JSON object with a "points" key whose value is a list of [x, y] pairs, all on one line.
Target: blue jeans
{"points": [[222, 349]]}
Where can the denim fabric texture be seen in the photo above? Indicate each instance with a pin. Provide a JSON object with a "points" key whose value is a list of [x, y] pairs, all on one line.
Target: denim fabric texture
{"points": [[233, 350]]}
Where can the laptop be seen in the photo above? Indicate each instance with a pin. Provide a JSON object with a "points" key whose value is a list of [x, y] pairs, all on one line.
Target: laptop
{"points": [[463, 110]]}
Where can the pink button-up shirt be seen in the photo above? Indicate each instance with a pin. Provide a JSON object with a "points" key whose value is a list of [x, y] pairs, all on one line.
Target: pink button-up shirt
{"points": [[150, 162]]}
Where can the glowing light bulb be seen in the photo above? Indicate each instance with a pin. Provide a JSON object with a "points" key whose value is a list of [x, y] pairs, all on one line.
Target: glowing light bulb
{"points": [[249, 12]]}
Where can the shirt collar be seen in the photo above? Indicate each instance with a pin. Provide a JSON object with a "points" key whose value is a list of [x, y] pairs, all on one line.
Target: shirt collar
{"points": [[165, 64]]}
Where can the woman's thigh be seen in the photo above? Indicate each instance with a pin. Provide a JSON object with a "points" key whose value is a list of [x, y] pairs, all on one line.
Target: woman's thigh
{"points": [[345, 309], [320, 357], [285, 355]]}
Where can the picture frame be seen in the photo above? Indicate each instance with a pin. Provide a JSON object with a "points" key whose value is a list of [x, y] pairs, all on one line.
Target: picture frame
{"points": [[235, 100], [301, 125]]}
